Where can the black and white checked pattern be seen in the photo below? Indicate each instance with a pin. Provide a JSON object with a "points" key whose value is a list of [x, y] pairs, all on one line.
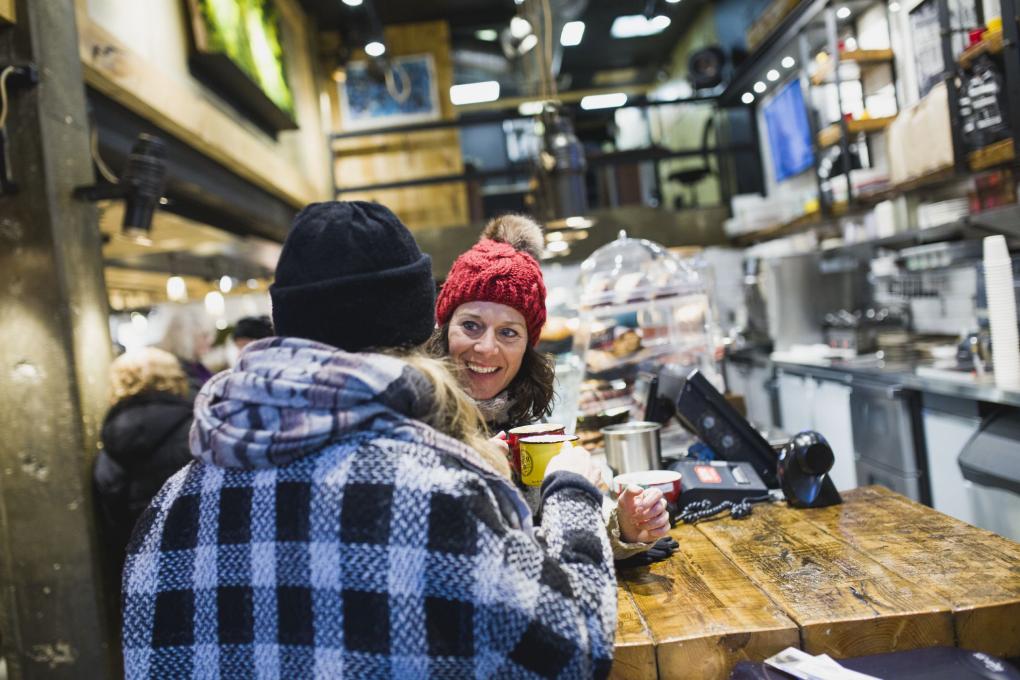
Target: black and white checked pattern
{"points": [[389, 553]]}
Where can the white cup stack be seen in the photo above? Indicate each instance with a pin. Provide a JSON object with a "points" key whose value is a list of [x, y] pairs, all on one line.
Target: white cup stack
{"points": [[1002, 312]]}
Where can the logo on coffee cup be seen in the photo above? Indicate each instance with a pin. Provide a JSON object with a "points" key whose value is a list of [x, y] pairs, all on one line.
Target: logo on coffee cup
{"points": [[526, 465]]}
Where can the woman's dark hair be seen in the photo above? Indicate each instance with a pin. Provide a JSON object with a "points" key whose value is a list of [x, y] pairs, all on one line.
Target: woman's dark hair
{"points": [[531, 389]]}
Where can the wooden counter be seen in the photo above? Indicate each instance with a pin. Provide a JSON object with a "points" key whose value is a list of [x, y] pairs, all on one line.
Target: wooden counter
{"points": [[878, 573]]}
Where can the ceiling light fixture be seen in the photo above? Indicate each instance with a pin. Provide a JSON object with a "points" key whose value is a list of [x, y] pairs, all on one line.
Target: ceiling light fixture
{"points": [[843, 12], [474, 93], [894, 7], [603, 101], [215, 305], [572, 33], [375, 49], [176, 289], [520, 27], [772, 76], [759, 87], [487, 34], [353, 3], [527, 44], [638, 25], [226, 284], [788, 62], [747, 98]]}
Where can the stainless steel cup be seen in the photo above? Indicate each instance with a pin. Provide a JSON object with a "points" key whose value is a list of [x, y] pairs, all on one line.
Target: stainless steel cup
{"points": [[633, 447]]}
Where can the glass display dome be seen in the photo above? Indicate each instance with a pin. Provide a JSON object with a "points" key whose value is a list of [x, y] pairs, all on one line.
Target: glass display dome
{"points": [[641, 309]]}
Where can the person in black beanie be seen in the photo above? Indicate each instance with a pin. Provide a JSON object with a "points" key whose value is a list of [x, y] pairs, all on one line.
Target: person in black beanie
{"points": [[352, 276], [345, 514]]}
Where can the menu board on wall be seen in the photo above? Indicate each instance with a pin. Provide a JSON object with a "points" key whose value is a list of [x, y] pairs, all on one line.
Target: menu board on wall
{"points": [[926, 36]]}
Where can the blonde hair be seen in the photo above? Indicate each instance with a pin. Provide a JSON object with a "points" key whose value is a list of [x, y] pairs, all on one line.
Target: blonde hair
{"points": [[455, 414], [186, 328], [146, 370]]}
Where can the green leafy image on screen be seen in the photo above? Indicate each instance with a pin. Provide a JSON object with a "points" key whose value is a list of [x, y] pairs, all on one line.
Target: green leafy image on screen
{"points": [[247, 31]]}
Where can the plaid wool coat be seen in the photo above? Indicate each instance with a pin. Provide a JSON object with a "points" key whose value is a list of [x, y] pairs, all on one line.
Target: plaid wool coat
{"points": [[323, 531]]}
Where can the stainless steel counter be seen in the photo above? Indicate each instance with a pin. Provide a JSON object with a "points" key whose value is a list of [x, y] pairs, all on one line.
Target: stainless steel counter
{"points": [[909, 377]]}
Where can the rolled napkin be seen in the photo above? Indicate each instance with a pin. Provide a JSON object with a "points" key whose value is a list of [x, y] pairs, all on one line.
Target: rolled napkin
{"points": [[1002, 315]]}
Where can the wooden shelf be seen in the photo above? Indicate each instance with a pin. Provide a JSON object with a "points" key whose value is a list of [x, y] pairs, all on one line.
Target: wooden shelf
{"points": [[861, 57], [999, 153], [830, 135], [990, 44]]}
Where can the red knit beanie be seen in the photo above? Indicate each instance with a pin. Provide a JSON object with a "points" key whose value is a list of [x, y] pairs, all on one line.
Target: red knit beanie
{"points": [[503, 268]]}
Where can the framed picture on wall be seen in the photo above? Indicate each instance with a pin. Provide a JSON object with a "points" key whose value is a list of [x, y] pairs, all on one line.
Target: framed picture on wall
{"points": [[926, 35], [400, 92]]}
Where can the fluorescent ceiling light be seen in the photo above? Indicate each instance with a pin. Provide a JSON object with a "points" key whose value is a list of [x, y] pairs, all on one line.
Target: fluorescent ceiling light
{"points": [[788, 62], [638, 25], [520, 27], [747, 98], [572, 33], [603, 101], [759, 87], [528, 43], [842, 12], [474, 93], [772, 75], [530, 108], [375, 49], [353, 3], [894, 7], [487, 34], [226, 284], [672, 2]]}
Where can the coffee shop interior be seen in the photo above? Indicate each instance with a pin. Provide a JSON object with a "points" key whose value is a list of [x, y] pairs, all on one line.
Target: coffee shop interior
{"points": [[781, 249]]}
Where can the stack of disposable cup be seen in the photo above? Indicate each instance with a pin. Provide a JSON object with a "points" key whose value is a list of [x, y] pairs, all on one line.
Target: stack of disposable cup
{"points": [[1002, 312]]}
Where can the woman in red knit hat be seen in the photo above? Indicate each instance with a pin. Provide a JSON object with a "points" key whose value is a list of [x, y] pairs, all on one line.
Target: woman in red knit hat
{"points": [[490, 313]]}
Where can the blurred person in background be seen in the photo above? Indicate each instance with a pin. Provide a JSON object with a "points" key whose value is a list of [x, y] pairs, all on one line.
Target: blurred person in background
{"points": [[490, 314], [144, 438], [188, 336], [247, 330]]}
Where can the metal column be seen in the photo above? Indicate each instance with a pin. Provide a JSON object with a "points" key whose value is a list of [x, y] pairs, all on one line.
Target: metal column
{"points": [[53, 364]]}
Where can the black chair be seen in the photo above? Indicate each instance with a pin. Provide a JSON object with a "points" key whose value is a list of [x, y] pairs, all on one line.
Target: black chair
{"points": [[691, 177]]}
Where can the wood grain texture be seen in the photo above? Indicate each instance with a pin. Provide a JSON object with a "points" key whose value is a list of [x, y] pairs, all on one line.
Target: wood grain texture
{"points": [[634, 653], [845, 603], [703, 613], [114, 70], [976, 571]]}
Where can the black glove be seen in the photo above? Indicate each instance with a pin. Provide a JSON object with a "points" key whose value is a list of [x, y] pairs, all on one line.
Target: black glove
{"points": [[662, 550]]}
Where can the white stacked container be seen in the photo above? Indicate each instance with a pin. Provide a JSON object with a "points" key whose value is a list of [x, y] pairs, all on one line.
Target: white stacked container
{"points": [[1002, 316]]}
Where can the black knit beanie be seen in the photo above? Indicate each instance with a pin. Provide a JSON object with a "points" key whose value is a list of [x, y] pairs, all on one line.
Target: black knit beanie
{"points": [[352, 276]]}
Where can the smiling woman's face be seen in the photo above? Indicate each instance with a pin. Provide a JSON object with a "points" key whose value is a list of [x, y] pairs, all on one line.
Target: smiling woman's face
{"points": [[487, 342]]}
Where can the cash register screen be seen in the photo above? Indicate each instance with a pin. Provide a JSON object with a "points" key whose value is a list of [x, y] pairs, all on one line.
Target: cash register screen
{"points": [[706, 413]]}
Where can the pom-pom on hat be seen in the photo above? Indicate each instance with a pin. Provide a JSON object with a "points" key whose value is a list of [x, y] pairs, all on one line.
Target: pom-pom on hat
{"points": [[503, 268], [352, 276]]}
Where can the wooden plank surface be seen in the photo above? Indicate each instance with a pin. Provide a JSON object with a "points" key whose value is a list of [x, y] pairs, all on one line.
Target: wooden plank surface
{"points": [[997, 153], [115, 70], [845, 603], [976, 571], [703, 613], [7, 12], [634, 653]]}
